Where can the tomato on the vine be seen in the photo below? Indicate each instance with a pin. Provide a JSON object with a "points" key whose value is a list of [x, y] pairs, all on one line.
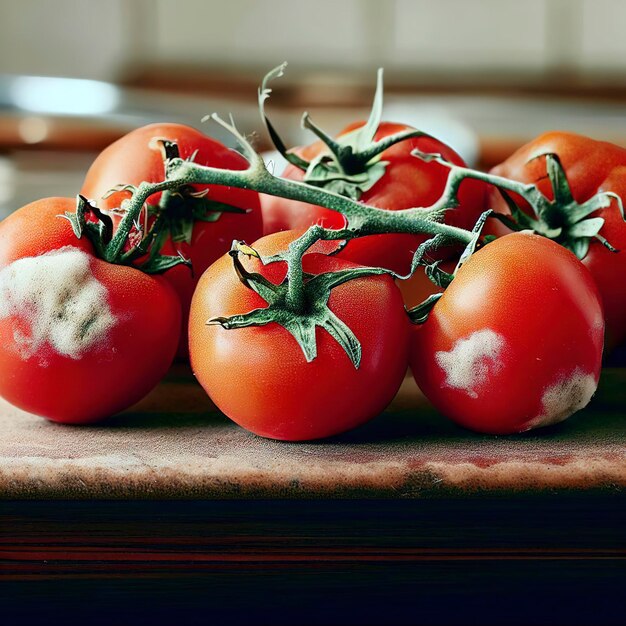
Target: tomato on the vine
{"points": [[80, 338], [258, 375], [201, 223], [515, 341], [591, 167], [403, 181]]}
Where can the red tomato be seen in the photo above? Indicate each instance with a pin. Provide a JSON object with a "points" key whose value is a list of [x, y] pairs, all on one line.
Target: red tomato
{"points": [[591, 167], [258, 375], [515, 342], [135, 158], [80, 339], [408, 182]]}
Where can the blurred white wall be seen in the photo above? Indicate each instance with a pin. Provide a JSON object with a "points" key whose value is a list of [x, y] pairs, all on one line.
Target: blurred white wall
{"points": [[80, 38], [440, 38]]}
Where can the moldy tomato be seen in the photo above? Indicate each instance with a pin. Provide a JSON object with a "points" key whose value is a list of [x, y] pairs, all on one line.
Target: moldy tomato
{"points": [[591, 167], [201, 228], [515, 342], [80, 338]]}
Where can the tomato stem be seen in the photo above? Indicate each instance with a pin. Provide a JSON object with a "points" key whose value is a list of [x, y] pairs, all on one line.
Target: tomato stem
{"points": [[300, 320], [562, 219], [352, 163], [361, 220], [291, 304]]}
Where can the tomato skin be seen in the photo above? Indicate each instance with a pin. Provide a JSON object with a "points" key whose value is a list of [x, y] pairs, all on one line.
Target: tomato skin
{"points": [[591, 167], [131, 160], [258, 376], [522, 317], [408, 182], [114, 373], [36, 228]]}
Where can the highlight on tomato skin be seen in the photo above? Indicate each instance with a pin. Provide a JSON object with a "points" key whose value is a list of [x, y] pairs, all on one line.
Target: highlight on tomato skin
{"points": [[258, 375], [80, 339], [516, 340], [137, 158]]}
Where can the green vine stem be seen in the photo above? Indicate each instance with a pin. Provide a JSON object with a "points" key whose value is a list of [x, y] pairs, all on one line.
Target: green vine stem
{"points": [[361, 220], [290, 304], [111, 244], [563, 218]]}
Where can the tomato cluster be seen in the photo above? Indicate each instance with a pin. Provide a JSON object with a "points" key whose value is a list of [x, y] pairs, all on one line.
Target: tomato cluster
{"points": [[513, 338]]}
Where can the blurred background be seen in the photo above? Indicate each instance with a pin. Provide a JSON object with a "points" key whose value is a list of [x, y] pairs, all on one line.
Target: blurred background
{"points": [[484, 75]]}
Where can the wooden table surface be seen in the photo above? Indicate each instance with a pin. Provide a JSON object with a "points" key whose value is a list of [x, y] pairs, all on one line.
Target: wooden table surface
{"points": [[174, 444], [172, 514]]}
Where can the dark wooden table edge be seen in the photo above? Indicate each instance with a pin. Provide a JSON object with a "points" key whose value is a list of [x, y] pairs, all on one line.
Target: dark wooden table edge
{"points": [[295, 491], [534, 558]]}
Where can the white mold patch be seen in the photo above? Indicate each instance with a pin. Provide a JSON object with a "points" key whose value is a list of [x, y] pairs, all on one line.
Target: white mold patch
{"points": [[61, 302], [471, 361], [563, 399]]}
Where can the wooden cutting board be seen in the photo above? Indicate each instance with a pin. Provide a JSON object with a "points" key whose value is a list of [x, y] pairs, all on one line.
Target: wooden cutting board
{"points": [[175, 444]]}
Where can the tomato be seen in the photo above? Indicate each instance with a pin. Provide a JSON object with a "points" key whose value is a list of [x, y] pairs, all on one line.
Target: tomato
{"points": [[407, 182], [515, 342], [591, 167], [135, 158], [419, 287], [80, 339], [258, 375]]}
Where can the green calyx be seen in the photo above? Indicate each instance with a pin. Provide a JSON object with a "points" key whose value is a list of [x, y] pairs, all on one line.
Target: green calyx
{"points": [[352, 164], [301, 323], [185, 205], [562, 219], [97, 226], [180, 207], [313, 311]]}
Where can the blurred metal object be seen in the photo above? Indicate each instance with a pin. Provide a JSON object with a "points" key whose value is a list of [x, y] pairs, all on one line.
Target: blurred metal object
{"points": [[52, 128], [65, 113], [76, 114], [7, 184], [62, 96]]}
